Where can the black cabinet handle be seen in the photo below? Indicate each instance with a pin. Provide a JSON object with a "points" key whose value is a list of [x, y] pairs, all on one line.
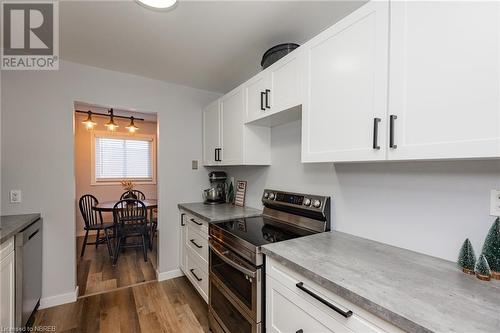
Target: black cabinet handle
{"points": [[392, 117], [262, 100], [196, 222], [375, 133], [195, 244], [215, 157], [345, 314], [33, 234], [195, 276], [217, 154], [267, 98], [182, 220]]}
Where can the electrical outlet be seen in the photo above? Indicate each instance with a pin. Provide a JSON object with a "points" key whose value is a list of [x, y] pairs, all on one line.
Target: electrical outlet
{"points": [[495, 202], [15, 196], [194, 164]]}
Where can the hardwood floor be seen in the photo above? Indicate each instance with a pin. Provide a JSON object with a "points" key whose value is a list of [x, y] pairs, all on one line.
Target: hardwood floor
{"points": [[96, 274], [169, 306]]}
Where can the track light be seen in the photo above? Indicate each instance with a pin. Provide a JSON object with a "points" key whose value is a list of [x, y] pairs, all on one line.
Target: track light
{"points": [[111, 125], [89, 123], [131, 127]]}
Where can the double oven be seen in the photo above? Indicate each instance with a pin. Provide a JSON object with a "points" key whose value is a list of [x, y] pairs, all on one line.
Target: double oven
{"points": [[236, 264]]}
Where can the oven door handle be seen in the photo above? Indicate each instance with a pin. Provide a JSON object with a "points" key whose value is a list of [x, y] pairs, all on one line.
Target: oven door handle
{"points": [[232, 263]]}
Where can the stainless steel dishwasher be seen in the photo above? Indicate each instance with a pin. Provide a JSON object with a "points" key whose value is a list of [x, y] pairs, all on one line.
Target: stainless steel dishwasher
{"points": [[28, 273]]}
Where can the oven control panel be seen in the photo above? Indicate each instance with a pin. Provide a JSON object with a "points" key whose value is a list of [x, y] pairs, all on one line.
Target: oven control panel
{"points": [[307, 201]]}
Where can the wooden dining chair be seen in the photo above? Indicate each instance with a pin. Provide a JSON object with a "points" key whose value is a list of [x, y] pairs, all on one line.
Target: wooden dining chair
{"points": [[94, 222], [138, 194], [130, 218]]}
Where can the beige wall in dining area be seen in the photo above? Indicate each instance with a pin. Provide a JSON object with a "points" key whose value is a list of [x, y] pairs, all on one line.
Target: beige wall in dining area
{"points": [[83, 165]]}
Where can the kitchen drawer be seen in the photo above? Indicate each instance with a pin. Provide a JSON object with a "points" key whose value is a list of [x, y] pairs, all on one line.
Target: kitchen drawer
{"points": [[6, 248], [196, 272], [197, 242], [286, 290], [197, 224], [288, 312]]}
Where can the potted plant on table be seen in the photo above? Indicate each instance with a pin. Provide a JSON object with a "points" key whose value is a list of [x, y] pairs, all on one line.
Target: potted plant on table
{"points": [[128, 186]]}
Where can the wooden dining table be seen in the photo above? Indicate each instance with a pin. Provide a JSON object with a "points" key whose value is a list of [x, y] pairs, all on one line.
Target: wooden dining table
{"points": [[107, 206]]}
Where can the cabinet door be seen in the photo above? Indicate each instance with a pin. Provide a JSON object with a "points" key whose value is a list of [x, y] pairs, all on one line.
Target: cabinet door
{"points": [[444, 79], [285, 83], [7, 290], [256, 99], [346, 89], [232, 117], [211, 133]]}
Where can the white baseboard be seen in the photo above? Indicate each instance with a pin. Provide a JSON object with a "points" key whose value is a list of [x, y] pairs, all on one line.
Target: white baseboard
{"points": [[48, 302], [162, 276]]}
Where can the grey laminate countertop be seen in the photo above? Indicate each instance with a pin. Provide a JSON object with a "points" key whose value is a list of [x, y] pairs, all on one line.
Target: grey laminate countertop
{"points": [[12, 224], [218, 213], [415, 292]]}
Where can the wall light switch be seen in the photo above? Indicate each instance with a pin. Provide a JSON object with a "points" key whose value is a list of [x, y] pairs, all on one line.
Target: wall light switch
{"points": [[15, 196], [194, 165], [495, 202]]}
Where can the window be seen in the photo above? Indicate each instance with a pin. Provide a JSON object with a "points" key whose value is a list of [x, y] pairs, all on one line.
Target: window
{"points": [[118, 158]]}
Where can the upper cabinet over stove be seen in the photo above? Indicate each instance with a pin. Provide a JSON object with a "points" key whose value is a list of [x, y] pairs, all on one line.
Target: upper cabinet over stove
{"points": [[391, 81]]}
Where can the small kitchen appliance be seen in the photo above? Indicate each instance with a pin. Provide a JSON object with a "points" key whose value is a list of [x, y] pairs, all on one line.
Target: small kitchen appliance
{"points": [[236, 263], [216, 193]]}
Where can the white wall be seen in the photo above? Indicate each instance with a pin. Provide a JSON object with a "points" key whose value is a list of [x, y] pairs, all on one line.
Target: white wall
{"points": [[429, 207], [37, 152]]}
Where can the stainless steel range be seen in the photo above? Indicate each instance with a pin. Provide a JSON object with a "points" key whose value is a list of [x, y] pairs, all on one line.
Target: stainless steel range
{"points": [[236, 286]]}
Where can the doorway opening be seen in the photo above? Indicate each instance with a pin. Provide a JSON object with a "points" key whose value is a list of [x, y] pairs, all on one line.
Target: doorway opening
{"points": [[115, 160]]}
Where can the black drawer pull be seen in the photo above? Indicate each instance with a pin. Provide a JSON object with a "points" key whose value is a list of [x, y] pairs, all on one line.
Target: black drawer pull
{"points": [[375, 133], [182, 220], [195, 244], [345, 314], [267, 98], [195, 222], [195, 276], [262, 101], [392, 145], [33, 234]]}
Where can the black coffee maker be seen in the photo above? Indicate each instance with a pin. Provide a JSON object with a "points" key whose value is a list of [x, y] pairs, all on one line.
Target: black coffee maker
{"points": [[216, 193]]}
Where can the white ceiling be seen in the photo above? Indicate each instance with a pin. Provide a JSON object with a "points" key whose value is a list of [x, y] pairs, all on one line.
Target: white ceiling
{"points": [[211, 45]]}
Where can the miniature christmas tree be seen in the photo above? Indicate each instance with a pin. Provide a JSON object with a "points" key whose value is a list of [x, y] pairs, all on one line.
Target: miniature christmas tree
{"points": [[467, 258], [482, 269], [491, 249]]}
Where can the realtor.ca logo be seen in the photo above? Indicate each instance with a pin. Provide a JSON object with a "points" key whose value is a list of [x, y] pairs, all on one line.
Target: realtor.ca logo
{"points": [[30, 35]]}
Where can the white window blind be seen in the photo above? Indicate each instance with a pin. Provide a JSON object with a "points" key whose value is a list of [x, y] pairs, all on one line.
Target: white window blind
{"points": [[117, 159]]}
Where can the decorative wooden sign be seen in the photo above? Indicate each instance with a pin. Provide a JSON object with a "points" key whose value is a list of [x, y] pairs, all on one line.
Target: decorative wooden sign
{"points": [[241, 190]]}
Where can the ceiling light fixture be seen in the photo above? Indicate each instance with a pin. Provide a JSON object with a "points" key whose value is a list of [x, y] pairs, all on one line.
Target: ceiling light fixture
{"points": [[157, 4], [89, 123], [131, 127], [111, 125]]}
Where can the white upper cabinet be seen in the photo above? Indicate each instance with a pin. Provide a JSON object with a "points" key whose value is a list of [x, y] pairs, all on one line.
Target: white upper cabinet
{"points": [[211, 133], [275, 89], [345, 89], [285, 77], [226, 138], [444, 80], [257, 96], [232, 118]]}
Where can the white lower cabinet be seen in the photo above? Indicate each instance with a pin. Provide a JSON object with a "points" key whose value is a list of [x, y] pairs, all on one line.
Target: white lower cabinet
{"points": [[290, 309], [7, 286], [194, 252]]}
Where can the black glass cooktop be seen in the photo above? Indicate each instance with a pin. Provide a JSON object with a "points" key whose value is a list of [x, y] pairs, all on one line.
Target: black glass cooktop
{"points": [[260, 231]]}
